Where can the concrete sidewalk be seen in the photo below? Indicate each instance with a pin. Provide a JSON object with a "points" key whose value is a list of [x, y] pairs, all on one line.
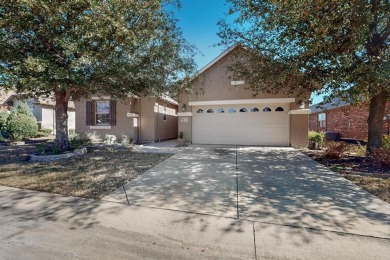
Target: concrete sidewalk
{"points": [[166, 146], [36, 225]]}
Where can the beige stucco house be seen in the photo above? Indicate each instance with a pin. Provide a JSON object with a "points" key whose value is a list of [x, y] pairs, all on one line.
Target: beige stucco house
{"points": [[43, 110], [226, 112], [143, 119]]}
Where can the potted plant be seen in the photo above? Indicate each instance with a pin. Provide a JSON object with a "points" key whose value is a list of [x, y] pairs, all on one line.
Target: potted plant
{"points": [[180, 140]]}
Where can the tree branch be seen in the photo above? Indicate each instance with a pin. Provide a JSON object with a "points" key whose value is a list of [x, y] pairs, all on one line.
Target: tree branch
{"points": [[385, 33], [69, 93]]}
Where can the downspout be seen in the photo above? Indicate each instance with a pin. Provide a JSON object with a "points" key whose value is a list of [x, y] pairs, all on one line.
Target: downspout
{"points": [[139, 120], [158, 128], [54, 120]]}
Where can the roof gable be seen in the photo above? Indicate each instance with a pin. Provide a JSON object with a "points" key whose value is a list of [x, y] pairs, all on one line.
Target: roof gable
{"points": [[321, 107], [217, 59]]}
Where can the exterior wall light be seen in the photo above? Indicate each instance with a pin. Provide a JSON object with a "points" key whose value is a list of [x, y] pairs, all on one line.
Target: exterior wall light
{"points": [[387, 118]]}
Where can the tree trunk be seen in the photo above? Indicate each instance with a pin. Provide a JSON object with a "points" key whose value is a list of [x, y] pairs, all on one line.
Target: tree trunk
{"points": [[61, 111], [375, 120]]}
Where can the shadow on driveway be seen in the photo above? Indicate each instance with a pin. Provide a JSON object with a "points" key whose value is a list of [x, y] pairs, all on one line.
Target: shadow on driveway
{"points": [[270, 185]]}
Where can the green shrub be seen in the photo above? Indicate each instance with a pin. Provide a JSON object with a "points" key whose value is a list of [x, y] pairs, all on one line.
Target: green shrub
{"points": [[72, 131], [316, 139], [75, 142], [181, 135], [386, 141], [41, 134], [46, 131], [21, 123], [3, 123], [381, 157], [41, 148]]}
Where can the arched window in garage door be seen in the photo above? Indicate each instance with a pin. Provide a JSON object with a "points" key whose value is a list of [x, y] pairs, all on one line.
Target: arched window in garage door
{"points": [[279, 109], [199, 111], [232, 110], [266, 109], [255, 109], [210, 110], [243, 110]]}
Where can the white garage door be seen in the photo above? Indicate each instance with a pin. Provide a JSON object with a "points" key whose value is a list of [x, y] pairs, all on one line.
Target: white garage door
{"points": [[241, 125]]}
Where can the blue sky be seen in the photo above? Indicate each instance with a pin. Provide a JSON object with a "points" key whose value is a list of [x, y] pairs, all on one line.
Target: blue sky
{"points": [[198, 21]]}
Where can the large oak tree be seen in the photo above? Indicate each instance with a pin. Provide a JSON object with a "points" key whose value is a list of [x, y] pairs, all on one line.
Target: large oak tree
{"points": [[337, 47], [77, 48]]}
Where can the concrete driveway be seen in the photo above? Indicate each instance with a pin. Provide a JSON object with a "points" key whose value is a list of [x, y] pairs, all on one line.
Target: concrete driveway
{"points": [[264, 185]]}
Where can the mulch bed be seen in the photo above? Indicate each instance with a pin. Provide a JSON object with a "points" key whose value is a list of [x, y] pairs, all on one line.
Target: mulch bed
{"points": [[92, 175], [360, 170]]}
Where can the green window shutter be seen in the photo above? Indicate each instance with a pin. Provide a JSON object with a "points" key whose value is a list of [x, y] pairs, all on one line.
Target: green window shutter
{"points": [[113, 112]]}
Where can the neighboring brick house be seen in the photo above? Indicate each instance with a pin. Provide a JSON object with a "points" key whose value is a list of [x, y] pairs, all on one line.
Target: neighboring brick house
{"points": [[345, 119]]}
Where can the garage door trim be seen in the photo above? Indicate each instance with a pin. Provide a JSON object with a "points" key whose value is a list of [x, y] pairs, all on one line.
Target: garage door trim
{"points": [[242, 101]]}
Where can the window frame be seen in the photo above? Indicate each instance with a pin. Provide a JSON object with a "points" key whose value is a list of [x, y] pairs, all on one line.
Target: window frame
{"points": [[105, 113], [321, 119]]}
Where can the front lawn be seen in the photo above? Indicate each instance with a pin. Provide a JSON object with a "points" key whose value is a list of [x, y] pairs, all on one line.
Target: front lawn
{"points": [[93, 175]]}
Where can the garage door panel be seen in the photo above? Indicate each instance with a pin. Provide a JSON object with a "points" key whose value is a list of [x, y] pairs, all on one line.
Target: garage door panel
{"points": [[248, 128]]}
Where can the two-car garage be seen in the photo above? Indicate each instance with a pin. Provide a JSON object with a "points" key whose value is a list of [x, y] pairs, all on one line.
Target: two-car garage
{"points": [[241, 122], [224, 109]]}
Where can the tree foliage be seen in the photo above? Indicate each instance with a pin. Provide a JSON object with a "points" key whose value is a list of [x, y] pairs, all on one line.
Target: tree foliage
{"points": [[337, 47], [76, 48]]}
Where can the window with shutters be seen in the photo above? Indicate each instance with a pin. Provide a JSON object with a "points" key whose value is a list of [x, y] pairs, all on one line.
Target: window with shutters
{"points": [[102, 112]]}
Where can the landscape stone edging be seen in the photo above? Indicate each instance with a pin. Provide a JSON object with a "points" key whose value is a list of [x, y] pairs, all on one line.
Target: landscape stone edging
{"points": [[53, 157]]}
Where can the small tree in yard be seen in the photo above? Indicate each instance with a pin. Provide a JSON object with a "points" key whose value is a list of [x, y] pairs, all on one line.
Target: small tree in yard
{"points": [[3, 123], [79, 48], [337, 47], [21, 123]]}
